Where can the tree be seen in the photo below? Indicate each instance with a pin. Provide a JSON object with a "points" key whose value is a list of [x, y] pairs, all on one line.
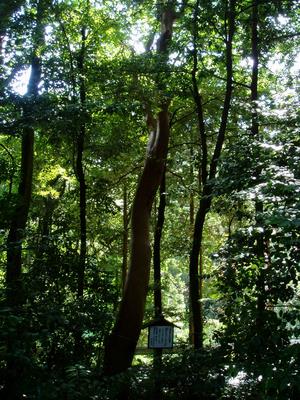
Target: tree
{"points": [[15, 296], [257, 283], [208, 172], [119, 349]]}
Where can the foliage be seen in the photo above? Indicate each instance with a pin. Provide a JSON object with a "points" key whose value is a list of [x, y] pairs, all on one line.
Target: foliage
{"points": [[251, 298]]}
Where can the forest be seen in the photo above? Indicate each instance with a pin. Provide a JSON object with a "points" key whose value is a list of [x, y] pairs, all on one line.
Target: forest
{"points": [[149, 177]]}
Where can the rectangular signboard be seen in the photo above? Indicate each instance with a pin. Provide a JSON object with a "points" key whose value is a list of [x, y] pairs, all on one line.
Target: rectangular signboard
{"points": [[160, 337]]}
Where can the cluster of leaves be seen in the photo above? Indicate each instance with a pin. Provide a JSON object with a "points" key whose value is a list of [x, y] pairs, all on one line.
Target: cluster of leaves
{"points": [[260, 290]]}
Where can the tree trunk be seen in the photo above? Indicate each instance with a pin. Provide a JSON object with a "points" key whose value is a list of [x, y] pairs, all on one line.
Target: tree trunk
{"points": [[125, 237], [82, 212], [79, 344], [80, 171], [158, 309], [15, 296], [191, 230], [157, 247], [19, 219], [121, 344], [194, 273], [206, 177], [18, 224], [260, 238], [196, 318]]}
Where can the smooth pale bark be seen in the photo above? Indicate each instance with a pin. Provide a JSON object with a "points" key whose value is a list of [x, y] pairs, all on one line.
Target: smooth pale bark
{"points": [[207, 175]]}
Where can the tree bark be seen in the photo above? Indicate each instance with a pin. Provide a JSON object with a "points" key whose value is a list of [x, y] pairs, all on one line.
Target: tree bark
{"points": [[120, 346], [207, 176]]}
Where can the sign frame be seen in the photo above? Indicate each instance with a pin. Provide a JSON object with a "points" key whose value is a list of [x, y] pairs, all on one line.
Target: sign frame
{"points": [[160, 333], [160, 337]]}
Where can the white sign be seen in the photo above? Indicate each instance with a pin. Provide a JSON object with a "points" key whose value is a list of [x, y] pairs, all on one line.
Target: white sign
{"points": [[160, 337]]}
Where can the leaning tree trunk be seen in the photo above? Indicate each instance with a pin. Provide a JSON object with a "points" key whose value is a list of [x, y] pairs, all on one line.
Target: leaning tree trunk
{"points": [[207, 177], [121, 344]]}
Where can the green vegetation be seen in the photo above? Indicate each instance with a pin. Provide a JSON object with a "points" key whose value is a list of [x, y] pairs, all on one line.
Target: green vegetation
{"points": [[149, 164]]}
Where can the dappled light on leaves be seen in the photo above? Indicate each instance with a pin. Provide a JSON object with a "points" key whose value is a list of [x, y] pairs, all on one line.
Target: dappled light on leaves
{"points": [[149, 167]]}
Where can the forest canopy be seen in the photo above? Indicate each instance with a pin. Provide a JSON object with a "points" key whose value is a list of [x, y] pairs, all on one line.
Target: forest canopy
{"points": [[149, 170]]}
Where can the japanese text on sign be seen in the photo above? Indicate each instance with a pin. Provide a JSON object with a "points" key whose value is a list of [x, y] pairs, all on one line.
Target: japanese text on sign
{"points": [[160, 337]]}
